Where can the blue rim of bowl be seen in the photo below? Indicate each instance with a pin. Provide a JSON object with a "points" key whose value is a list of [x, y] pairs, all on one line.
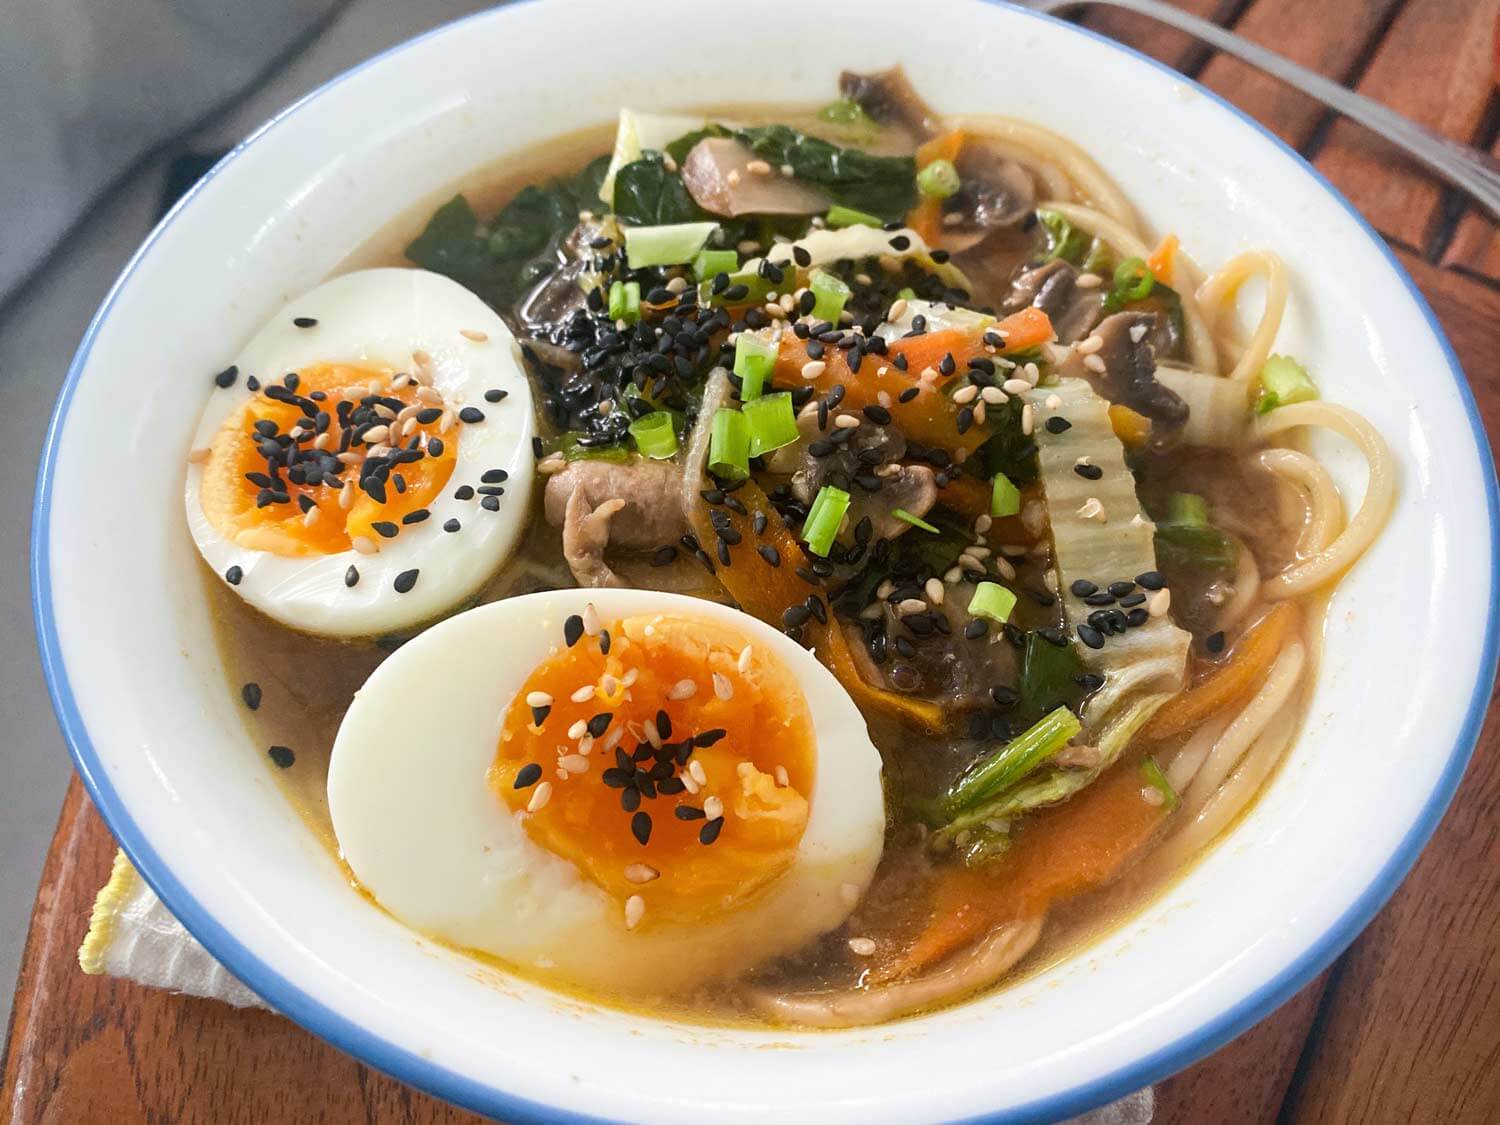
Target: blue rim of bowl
{"points": [[267, 983]]}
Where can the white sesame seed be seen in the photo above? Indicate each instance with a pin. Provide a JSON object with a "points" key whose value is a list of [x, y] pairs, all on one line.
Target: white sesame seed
{"points": [[199, 455], [713, 808], [552, 463], [1007, 571], [377, 434], [722, 687], [653, 736], [1158, 602], [641, 873], [898, 309], [1089, 281], [574, 763], [966, 394], [813, 368], [1090, 345], [883, 591], [977, 551], [539, 797], [1052, 402], [669, 162], [747, 246], [583, 694], [538, 699], [590, 616], [472, 334], [743, 663], [979, 412], [430, 395], [994, 396], [758, 168], [578, 729], [1016, 386], [612, 739], [635, 910], [363, 543], [781, 777], [630, 676], [884, 398], [861, 946], [982, 524], [445, 423], [971, 564], [682, 689], [1028, 419], [696, 772], [788, 170], [1092, 509], [908, 606], [846, 422], [1094, 364], [689, 785], [346, 497], [953, 574], [311, 516]]}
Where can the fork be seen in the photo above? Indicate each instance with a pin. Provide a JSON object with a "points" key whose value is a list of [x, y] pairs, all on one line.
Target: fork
{"points": [[1467, 168]]}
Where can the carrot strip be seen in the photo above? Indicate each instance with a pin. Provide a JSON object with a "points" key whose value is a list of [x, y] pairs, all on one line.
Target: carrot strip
{"points": [[1029, 328], [926, 218], [1238, 676], [966, 495], [1161, 259], [766, 591], [945, 146], [1059, 853]]}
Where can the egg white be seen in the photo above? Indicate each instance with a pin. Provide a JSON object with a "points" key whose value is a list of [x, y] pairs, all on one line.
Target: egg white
{"points": [[437, 847], [378, 318]]}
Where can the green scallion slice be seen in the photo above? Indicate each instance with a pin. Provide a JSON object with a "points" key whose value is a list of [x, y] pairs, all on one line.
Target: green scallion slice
{"points": [[656, 435], [993, 601], [710, 263], [916, 521], [829, 295], [729, 445], [773, 422], [669, 245], [754, 359], [1283, 381], [841, 216], [1014, 761], [938, 180], [1158, 781], [1187, 509], [1005, 497], [823, 519]]}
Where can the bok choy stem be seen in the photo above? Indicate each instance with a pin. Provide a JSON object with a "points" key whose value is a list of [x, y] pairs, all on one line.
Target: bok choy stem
{"points": [[1014, 761]]}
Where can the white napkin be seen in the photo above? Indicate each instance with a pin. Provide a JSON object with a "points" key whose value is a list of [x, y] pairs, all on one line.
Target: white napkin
{"points": [[134, 937]]}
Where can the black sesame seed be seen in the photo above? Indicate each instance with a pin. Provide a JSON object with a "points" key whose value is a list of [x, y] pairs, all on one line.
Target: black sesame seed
{"points": [[227, 377], [495, 394], [1214, 643], [801, 256], [492, 490], [604, 641], [1137, 617], [640, 827], [1090, 636], [1101, 597], [305, 321], [429, 416], [527, 776], [600, 723], [975, 629], [1082, 588], [251, 694], [351, 577], [630, 799], [1088, 472], [664, 555], [1121, 588], [572, 629], [1058, 425], [877, 414], [490, 503], [795, 617], [282, 756], [385, 529], [471, 415], [1089, 681], [1134, 599], [451, 525], [539, 715], [233, 575], [901, 242], [494, 476], [769, 553], [688, 812], [709, 737], [1053, 636], [416, 515], [946, 365], [710, 830], [1150, 580], [908, 394], [406, 580]]}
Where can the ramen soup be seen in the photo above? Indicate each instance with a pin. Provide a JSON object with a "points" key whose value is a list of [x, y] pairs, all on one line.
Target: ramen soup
{"points": [[805, 566]]}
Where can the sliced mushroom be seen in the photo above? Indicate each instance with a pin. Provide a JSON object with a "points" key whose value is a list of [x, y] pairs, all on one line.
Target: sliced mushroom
{"points": [[1053, 287], [1122, 367], [964, 973], [995, 193], [725, 177], [651, 511], [868, 466], [889, 96]]}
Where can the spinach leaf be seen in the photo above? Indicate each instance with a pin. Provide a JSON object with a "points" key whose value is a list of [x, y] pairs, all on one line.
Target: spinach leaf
{"points": [[880, 185], [519, 247], [683, 145], [647, 194], [1008, 450]]}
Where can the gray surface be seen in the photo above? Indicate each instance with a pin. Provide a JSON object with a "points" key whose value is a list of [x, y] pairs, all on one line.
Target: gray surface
{"points": [[38, 334]]}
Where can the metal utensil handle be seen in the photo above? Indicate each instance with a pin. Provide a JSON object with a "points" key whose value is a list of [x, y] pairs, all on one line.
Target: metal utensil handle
{"points": [[1474, 171]]}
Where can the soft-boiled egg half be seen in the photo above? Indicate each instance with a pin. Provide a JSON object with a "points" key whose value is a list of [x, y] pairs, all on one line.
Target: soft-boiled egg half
{"points": [[366, 463], [621, 790]]}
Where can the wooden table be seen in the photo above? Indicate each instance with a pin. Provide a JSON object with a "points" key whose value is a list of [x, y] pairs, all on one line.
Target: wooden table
{"points": [[1404, 1027]]}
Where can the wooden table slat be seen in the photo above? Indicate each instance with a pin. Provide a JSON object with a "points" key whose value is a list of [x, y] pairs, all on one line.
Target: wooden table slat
{"points": [[1475, 247]]}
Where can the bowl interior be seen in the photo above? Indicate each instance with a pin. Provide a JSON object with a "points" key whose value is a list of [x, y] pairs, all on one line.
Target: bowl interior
{"points": [[143, 699]]}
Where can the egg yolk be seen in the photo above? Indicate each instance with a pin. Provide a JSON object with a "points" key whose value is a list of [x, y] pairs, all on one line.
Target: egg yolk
{"points": [[666, 757], [332, 454]]}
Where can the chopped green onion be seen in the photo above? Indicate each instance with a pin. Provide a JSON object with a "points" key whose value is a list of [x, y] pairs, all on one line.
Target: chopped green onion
{"points": [[669, 245], [757, 288], [573, 449], [729, 445], [841, 216], [938, 180], [1158, 781], [772, 421], [656, 435], [625, 301], [1283, 381], [1014, 761], [754, 359], [916, 521], [1005, 497], [1187, 509], [823, 519], [829, 295], [848, 113], [992, 600], [1133, 281], [710, 263], [907, 293]]}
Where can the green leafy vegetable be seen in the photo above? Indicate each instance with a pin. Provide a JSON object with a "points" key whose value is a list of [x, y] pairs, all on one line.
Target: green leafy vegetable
{"points": [[1186, 540], [880, 185], [1048, 675], [849, 115], [1005, 498], [1064, 240], [683, 145], [646, 194]]}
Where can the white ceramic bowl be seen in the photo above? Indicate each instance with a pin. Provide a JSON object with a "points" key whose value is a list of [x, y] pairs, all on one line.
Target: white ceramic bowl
{"points": [[142, 698]]}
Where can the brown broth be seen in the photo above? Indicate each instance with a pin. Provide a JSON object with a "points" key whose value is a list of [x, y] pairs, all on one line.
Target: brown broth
{"points": [[307, 682]]}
